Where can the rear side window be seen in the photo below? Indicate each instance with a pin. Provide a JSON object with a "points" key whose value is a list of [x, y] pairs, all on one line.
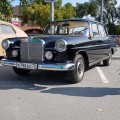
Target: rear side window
{"points": [[6, 29], [95, 30], [102, 31]]}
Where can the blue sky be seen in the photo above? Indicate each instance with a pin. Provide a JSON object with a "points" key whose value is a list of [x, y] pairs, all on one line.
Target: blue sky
{"points": [[16, 2]]}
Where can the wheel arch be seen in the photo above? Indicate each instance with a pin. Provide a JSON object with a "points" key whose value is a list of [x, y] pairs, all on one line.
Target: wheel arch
{"points": [[85, 56]]}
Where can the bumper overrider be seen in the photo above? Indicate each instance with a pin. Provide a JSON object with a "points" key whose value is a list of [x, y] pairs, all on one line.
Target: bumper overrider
{"points": [[41, 66]]}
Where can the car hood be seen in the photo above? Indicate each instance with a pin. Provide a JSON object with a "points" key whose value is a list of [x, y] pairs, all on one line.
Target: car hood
{"points": [[70, 39]]}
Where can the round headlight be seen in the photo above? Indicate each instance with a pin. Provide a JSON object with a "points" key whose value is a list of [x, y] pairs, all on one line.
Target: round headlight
{"points": [[14, 53], [6, 44], [49, 55], [61, 45]]}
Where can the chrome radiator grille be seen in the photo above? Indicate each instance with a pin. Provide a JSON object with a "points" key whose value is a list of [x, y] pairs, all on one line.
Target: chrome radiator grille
{"points": [[31, 51]]}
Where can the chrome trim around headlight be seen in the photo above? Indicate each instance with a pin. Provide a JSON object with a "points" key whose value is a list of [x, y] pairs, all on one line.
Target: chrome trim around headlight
{"points": [[62, 49]]}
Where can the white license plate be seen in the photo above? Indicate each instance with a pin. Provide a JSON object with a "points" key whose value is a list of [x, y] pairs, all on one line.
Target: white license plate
{"points": [[27, 65]]}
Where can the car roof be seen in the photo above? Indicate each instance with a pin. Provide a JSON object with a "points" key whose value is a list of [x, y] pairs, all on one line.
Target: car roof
{"points": [[77, 19], [7, 23]]}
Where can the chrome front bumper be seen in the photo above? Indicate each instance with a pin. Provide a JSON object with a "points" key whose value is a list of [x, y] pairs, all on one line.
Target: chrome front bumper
{"points": [[43, 66]]}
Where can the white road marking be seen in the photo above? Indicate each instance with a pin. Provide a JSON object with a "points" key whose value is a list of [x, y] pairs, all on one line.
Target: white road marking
{"points": [[104, 79]]}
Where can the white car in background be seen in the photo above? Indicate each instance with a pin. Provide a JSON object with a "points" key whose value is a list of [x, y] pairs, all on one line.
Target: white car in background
{"points": [[8, 30]]}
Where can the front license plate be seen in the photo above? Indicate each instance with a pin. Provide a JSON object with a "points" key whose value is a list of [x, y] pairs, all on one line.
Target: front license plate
{"points": [[27, 65]]}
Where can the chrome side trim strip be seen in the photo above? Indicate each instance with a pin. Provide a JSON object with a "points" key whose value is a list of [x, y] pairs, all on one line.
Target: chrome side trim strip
{"points": [[43, 66]]}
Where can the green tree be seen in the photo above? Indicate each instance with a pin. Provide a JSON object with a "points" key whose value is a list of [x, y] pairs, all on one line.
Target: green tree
{"points": [[2, 17], [58, 4], [118, 14], [25, 2], [38, 14], [117, 29], [38, 1], [111, 15], [6, 9], [87, 8], [68, 11], [110, 11]]}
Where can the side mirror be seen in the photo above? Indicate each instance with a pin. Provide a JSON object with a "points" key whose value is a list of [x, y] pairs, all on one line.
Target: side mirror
{"points": [[90, 37]]}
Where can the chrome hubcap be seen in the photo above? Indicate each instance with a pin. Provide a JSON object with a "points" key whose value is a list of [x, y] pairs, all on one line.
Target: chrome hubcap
{"points": [[80, 68]]}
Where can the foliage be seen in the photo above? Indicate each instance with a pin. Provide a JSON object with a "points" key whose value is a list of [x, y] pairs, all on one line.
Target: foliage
{"points": [[38, 14], [58, 4], [87, 8], [26, 2], [110, 11], [2, 17], [68, 11], [113, 29], [117, 29], [5, 10]]}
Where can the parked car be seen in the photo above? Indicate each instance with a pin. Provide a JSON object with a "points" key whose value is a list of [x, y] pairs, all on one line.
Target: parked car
{"points": [[70, 45], [8, 30]]}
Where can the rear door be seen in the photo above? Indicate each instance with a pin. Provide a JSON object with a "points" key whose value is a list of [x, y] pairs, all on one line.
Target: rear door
{"points": [[100, 41], [105, 41], [94, 51]]}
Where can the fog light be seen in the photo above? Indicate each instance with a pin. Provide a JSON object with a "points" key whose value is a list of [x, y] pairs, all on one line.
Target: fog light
{"points": [[14, 53], [49, 55]]}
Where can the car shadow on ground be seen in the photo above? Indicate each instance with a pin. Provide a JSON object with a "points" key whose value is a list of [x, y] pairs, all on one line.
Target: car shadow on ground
{"points": [[36, 80], [84, 91], [49, 82]]}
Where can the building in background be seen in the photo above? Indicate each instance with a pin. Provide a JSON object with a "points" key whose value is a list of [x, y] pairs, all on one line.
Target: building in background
{"points": [[17, 20]]}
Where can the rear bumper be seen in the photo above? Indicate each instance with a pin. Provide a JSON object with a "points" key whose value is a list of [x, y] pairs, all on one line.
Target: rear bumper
{"points": [[43, 66]]}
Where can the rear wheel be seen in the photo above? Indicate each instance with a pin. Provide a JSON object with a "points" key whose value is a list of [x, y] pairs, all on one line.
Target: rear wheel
{"points": [[107, 62], [77, 74], [21, 71]]}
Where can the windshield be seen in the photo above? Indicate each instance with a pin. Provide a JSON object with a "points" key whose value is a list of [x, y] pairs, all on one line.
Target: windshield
{"points": [[68, 28]]}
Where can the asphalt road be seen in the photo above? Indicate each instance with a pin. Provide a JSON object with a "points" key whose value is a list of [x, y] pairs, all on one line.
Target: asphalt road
{"points": [[49, 96]]}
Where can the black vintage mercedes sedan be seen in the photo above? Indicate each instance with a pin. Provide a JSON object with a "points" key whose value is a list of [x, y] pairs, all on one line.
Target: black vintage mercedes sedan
{"points": [[70, 45]]}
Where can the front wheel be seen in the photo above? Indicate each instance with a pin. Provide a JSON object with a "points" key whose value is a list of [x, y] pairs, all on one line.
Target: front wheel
{"points": [[19, 71], [77, 74], [107, 62]]}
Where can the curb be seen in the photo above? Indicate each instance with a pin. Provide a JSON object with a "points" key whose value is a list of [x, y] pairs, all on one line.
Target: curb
{"points": [[116, 57]]}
